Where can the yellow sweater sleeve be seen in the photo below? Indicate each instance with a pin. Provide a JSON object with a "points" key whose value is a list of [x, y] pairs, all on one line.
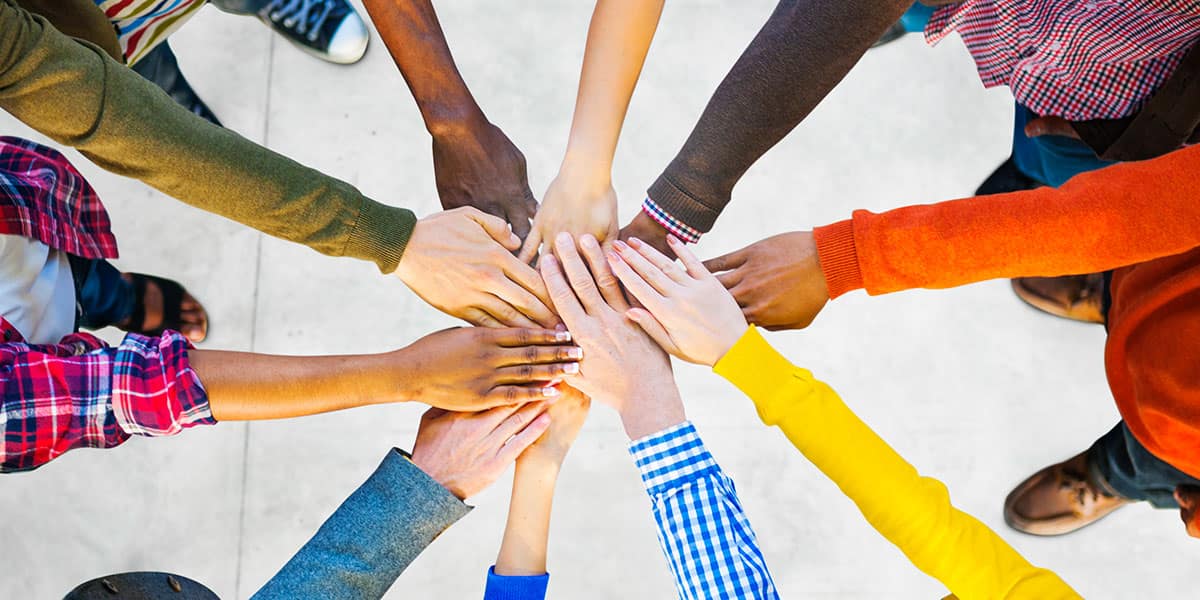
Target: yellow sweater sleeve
{"points": [[911, 511]]}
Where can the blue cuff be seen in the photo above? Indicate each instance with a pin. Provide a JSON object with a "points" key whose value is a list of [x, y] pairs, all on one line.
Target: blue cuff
{"points": [[672, 458], [515, 587]]}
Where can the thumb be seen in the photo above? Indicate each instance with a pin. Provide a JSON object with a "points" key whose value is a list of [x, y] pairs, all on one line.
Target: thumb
{"points": [[1050, 126], [497, 228], [533, 242], [726, 262]]}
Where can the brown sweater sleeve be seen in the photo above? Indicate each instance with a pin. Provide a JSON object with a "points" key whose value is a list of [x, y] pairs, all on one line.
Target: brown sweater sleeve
{"points": [[79, 96], [1121, 215]]}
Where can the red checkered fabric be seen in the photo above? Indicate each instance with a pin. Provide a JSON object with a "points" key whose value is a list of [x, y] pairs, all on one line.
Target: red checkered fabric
{"points": [[1075, 59]]}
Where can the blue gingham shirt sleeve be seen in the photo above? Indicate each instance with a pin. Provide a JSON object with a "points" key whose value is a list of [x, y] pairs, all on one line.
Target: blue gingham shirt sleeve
{"points": [[704, 532]]}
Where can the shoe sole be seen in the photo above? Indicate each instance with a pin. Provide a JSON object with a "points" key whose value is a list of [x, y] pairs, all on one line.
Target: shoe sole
{"points": [[317, 53]]}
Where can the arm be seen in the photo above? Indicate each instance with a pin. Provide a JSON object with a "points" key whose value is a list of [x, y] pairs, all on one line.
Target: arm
{"points": [[1117, 216], [702, 528], [581, 198], [77, 95], [687, 311], [388, 521], [911, 511], [474, 163], [520, 569], [801, 53]]}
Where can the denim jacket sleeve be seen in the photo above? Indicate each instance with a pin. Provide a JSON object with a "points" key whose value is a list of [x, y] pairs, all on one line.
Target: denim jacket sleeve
{"points": [[372, 537]]}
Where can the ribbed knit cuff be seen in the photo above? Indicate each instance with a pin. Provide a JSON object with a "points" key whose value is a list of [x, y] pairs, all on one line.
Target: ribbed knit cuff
{"points": [[838, 257], [682, 206], [381, 234], [515, 587]]}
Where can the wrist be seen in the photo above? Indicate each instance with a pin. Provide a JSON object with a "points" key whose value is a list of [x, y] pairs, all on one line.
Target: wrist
{"points": [[539, 466], [644, 416], [585, 169], [453, 119], [403, 382]]}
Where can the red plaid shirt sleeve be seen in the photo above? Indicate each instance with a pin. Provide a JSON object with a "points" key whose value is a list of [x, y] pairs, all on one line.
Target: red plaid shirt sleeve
{"points": [[82, 393]]}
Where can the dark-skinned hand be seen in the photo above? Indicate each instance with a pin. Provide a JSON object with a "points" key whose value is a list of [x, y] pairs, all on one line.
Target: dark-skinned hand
{"points": [[479, 166], [778, 281]]}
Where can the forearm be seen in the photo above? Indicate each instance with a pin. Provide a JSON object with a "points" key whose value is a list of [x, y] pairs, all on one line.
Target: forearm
{"points": [[618, 39], [78, 96], [243, 386], [911, 511], [414, 37], [801, 53], [523, 549], [1121, 215]]}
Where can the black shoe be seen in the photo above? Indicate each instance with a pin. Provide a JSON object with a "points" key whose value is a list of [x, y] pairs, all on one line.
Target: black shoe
{"points": [[328, 29], [160, 68], [1006, 178]]}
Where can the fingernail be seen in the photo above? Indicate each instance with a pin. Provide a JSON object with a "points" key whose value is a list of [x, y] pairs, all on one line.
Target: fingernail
{"points": [[588, 240], [562, 336], [548, 260], [571, 368], [671, 239], [576, 353], [636, 243], [611, 256], [564, 237], [550, 392], [620, 245]]}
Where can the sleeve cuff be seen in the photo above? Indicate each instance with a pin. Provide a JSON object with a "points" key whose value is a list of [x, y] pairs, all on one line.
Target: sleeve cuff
{"points": [[677, 228], [763, 374], [381, 234], [515, 587], [681, 205], [838, 256], [671, 458], [155, 392]]}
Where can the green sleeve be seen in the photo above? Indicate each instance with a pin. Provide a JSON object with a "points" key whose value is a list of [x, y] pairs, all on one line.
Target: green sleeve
{"points": [[77, 95]]}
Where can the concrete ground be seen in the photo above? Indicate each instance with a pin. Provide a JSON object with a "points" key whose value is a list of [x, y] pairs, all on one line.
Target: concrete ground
{"points": [[969, 384]]}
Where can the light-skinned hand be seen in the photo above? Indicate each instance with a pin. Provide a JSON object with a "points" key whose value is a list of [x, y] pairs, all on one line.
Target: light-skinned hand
{"points": [[466, 452], [460, 261], [576, 204], [567, 415], [622, 366], [687, 311], [778, 281], [474, 368], [476, 165]]}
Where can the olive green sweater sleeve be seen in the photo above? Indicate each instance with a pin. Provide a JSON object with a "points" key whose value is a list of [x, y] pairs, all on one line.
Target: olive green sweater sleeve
{"points": [[77, 95]]}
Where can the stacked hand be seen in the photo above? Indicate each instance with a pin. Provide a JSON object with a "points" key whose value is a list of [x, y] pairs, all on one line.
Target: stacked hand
{"points": [[477, 165], [577, 204], [778, 281]]}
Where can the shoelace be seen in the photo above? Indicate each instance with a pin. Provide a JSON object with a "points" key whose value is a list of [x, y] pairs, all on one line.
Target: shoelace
{"points": [[1079, 485], [299, 15]]}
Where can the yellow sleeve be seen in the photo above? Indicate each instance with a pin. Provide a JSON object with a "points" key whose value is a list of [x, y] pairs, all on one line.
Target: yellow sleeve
{"points": [[911, 511]]}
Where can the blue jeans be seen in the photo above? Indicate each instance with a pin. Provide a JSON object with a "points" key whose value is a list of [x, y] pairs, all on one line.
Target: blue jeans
{"points": [[104, 298], [1133, 472]]}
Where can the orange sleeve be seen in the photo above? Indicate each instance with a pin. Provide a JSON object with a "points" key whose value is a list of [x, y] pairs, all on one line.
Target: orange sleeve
{"points": [[1120, 215]]}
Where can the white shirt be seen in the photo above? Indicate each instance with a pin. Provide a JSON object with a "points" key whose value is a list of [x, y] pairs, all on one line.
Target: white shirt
{"points": [[37, 291]]}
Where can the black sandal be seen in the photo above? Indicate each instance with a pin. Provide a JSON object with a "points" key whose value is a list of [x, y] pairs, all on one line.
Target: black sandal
{"points": [[172, 298]]}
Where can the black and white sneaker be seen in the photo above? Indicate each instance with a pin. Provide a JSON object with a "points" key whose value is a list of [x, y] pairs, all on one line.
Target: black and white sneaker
{"points": [[328, 29]]}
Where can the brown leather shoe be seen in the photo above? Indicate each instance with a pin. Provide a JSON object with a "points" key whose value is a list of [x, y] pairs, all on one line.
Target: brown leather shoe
{"points": [[1078, 297], [1060, 499]]}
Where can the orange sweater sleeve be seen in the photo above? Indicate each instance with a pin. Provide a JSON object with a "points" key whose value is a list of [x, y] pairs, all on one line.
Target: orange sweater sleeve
{"points": [[1121, 215]]}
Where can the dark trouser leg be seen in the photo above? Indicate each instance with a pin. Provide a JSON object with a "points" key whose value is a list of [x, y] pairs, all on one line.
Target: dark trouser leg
{"points": [[240, 7], [1119, 460], [104, 297], [160, 68]]}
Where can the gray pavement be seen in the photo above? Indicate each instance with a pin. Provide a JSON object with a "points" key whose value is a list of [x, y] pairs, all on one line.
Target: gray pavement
{"points": [[970, 385]]}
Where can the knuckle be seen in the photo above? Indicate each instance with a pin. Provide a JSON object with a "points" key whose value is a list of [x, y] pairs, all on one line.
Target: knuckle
{"points": [[526, 371], [531, 354], [510, 395]]}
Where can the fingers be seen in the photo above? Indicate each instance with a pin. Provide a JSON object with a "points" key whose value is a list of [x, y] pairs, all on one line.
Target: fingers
{"points": [[694, 267], [642, 291], [523, 439], [480, 318], [730, 279], [526, 277], [522, 374], [503, 312], [610, 287], [515, 422], [653, 328], [578, 274], [495, 227], [521, 212], [536, 355], [532, 244], [648, 272], [516, 337], [526, 303], [1050, 126], [656, 258], [726, 262], [561, 295]]}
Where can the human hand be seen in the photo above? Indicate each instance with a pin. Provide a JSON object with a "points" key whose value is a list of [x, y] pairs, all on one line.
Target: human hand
{"points": [[576, 204], [649, 231], [687, 311], [567, 415], [1050, 126], [477, 165], [778, 281], [460, 262], [474, 368], [1188, 497], [623, 367], [466, 452]]}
